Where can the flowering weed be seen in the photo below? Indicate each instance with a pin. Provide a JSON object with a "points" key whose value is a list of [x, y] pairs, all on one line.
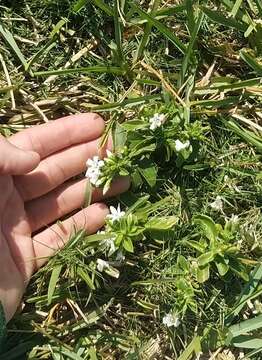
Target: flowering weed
{"points": [[176, 271]]}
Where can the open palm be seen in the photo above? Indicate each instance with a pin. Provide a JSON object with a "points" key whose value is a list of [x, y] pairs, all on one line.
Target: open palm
{"points": [[36, 190]]}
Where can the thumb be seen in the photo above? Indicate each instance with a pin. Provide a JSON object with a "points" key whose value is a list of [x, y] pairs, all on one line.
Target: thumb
{"points": [[15, 161]]}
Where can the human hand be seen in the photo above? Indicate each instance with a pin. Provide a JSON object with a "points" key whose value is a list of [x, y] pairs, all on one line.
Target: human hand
{"points": [[36, 166]]}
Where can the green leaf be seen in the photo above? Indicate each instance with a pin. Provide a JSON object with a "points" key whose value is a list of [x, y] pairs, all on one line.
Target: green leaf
{"points": [[202, 274], [244, 327], [251, 61], [222, 267], [88, 193], [247, 135], [148, 171], [78, 5], [195, 245], [193, 347], [128, 245], [118, 33], [206, 258], [189, 50], [183, 262], [119, 136], [254, 280], [236, 7], [52, 282], [140, 203], [208, 226], [161, 223], [219, 18], [246, 342], [134, 125], [88, 70], [8, 37], [85, 277], [162, 28], [102, 5], [146, 33]]}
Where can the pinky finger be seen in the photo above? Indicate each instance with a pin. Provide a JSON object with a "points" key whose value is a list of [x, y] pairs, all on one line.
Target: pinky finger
{"points": [[47, 242]]}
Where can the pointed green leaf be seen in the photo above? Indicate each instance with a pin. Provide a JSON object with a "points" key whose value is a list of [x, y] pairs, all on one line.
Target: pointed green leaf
{"points": [[208, 226], [52, 282], [128, 245], [206, 258], [8, 37], [203, 274], [161, 223], [85, 277]]}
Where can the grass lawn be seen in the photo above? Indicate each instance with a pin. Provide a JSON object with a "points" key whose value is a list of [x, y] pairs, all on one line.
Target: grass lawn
{"points": [[180, 85]]}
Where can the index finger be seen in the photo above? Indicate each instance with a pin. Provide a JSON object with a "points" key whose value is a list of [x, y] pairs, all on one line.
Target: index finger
{"points": [[56, 135]]}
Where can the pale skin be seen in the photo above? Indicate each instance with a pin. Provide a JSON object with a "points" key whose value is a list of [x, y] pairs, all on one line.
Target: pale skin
{"points": [[36, 166]]}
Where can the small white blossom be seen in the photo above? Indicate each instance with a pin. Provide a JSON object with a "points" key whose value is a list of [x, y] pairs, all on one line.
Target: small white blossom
{"points": [[217, 204], [120, 256], [179, 146], [171, 320], [115, 213], [102, 265], [234, 219], [110, 245], [156, 121], [94, 170]]}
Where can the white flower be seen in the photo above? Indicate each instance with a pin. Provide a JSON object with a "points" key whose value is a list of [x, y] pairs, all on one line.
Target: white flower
{"points": [[171, 320], [94, 170], [217, 204], [234, 219], [115, 213], [179, 146], [120, 256], [110, 245], [156, 121], [102, 265]]}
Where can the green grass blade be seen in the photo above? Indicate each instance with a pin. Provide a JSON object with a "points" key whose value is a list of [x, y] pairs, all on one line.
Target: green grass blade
{"points": [[52, 283], [245, 327], [127, 103], [222, 20], [190, 15], [259, 6], [8, 37], [162, 28], [251, 61], [254, 280], [91, 69], [51, 43], [236, 7], [118, 33], [85, 277], [102, 5], [78, 5], [147, 31], [193, 347], [189, 50], [246, 342], [248, 136]]}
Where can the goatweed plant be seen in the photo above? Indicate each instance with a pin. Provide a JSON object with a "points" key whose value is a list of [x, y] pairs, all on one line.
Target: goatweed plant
{"points": [[149, 142], [176, 271]]}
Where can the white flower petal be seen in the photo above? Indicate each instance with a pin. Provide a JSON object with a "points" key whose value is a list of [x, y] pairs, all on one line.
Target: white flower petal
{"points": [[181, 146], [217, 204], [102, 265], [171, 320]]}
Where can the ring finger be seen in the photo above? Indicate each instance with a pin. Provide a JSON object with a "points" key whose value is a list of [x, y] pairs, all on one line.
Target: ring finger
{"points": [[65, 199]]}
